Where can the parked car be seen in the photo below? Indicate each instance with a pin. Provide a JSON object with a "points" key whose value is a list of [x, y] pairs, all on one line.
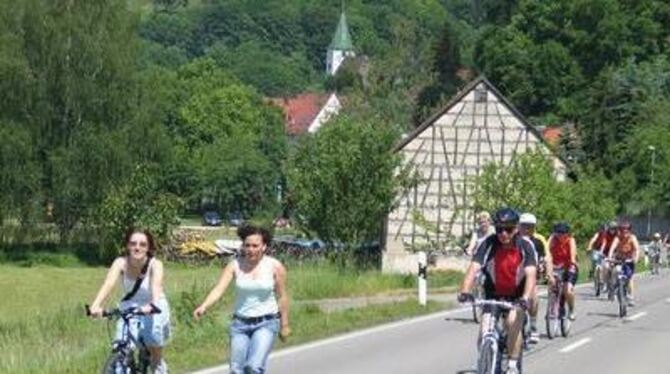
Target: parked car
{"points": [[301, 243], [211, 218], [235, 219]]}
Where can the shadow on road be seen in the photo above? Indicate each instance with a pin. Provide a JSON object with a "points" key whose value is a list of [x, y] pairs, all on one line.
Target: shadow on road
{"points": [[610, 315], [469, 371], [468, 321]]}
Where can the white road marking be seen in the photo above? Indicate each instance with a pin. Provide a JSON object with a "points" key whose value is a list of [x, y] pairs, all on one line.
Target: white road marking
{"points": [[575, 345], [636, 316], [303, 347]]}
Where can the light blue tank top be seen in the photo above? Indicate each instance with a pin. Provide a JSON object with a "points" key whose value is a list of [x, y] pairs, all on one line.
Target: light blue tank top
{"points": [[255, 297]]}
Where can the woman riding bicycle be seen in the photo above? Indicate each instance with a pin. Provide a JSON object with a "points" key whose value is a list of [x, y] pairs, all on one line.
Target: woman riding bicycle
{"points": [[261, 302], [141, 276], [563, 250], [626, 248]]}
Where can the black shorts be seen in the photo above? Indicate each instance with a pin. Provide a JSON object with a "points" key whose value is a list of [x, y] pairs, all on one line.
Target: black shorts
{"points": [[570, 276]]}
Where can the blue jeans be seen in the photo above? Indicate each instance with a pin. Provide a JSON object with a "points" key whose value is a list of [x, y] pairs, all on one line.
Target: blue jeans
{"points": [[250, 345]]}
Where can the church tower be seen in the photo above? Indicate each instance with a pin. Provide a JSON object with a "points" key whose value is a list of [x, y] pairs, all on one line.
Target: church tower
{"points": [[340, 47]]}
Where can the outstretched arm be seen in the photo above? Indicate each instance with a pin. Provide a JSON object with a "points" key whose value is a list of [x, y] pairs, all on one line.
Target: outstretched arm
{"points": [[216, 293], [107, 286], [282, 299]]}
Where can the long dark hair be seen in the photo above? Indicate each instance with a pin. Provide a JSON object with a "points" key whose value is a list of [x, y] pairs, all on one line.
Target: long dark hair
{"points": [[140, 230]]}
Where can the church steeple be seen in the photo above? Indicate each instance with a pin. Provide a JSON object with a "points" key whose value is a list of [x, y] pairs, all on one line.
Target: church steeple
{"points": [[340, 47]]}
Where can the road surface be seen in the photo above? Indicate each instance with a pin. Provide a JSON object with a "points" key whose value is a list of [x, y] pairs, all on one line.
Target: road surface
{"points": [[600, 342]]}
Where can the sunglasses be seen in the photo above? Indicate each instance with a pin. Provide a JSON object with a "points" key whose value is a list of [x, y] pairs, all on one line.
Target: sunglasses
{"points": [[507, 229]]}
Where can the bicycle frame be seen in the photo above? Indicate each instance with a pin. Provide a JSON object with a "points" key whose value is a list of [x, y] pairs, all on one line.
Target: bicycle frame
{"points": [[494, 336], [620, 286], [557, 317], [123, 349]]}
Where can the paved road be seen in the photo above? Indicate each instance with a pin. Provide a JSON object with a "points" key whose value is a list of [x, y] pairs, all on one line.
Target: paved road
{"points": [[600, 342]]}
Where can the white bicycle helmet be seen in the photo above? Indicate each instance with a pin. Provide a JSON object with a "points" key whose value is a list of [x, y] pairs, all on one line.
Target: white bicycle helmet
{"points": [[528, 219]]}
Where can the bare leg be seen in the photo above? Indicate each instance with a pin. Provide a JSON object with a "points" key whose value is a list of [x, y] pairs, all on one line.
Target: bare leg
{"points": [[156, 360], [514, 323]]}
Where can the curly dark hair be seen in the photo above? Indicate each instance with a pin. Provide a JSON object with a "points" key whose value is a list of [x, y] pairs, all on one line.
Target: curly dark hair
{"points": [[140, 230], [247, 230]]}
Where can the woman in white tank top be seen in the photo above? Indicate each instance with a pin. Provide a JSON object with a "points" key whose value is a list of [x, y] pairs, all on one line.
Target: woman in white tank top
{"points": [[261, 303], [152, 329]]}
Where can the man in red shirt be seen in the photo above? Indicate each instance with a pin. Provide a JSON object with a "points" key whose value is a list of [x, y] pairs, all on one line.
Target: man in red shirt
{"points": [[509, 264]]}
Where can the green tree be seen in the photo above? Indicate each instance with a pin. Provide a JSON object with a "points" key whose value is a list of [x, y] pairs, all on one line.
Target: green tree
{"points": [[72, 68], [210, 115], [139, 201], [342, 183], [529, 184], [19, 175], [446, 62]]}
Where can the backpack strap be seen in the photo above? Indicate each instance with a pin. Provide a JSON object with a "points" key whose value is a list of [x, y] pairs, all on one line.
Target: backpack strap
{"points": [[138, 282]]}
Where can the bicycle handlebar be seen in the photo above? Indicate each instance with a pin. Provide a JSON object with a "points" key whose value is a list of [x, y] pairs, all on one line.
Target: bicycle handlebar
{"points": [[617, 262], [126, 312], [502, 304]]}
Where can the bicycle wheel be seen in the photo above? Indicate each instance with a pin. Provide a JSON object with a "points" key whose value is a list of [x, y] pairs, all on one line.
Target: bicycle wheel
{"points": [[611, 290], [596, 281], [552, 316], [488, 357], [621, 295], [116, 364], [565, 321]]}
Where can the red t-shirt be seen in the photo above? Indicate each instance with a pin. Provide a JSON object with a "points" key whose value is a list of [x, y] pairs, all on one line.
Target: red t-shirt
{"points": [[560, 251], [505, 267]]}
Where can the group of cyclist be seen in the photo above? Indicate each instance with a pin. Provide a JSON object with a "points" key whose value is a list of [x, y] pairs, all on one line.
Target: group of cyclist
{"points": [[514, 258]]}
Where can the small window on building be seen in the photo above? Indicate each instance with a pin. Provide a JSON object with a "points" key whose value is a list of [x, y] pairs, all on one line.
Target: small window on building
{"points": [[480, 95]]}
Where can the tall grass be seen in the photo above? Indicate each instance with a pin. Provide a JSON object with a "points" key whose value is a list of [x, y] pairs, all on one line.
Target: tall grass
{"points": [[43, 327]]}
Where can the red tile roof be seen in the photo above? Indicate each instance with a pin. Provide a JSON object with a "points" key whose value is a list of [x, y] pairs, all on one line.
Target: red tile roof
{"points": [[300, 111], [552, 135]]}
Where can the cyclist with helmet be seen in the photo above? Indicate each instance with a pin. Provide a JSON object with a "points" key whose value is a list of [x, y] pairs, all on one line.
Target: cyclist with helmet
{"points": [[527, 225], [595, 246], [627, 249], [509, 264], [655, 251], [563, 250], [604, 249]]}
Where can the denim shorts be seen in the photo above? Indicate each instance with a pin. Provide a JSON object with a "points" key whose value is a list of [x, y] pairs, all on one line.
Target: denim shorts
{"points": [[154, 329]]}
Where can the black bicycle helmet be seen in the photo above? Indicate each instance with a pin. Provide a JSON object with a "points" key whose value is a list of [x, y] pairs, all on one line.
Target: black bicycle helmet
{"points": [[561, 228], [506, 217]]}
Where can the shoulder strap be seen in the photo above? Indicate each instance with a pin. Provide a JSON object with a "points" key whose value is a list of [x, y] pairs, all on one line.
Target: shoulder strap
{"points": [[138, 282]]}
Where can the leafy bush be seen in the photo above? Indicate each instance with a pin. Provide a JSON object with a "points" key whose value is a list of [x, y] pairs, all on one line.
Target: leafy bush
{"points": [[528, 183]]}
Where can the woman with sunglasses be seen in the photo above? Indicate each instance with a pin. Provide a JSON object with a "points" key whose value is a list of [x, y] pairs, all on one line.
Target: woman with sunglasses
{"points": [[141, 276], [626, 248]]}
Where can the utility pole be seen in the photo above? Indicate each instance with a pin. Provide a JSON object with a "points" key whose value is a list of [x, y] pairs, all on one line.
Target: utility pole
{"points": [[651, 184]]}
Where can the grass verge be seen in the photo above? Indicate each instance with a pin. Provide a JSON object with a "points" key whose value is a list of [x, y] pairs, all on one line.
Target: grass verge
{"points": [[43, 328]]}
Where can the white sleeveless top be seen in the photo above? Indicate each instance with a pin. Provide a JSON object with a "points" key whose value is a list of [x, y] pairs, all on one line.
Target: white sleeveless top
{"points": [[143, 295], [255, 297]]}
